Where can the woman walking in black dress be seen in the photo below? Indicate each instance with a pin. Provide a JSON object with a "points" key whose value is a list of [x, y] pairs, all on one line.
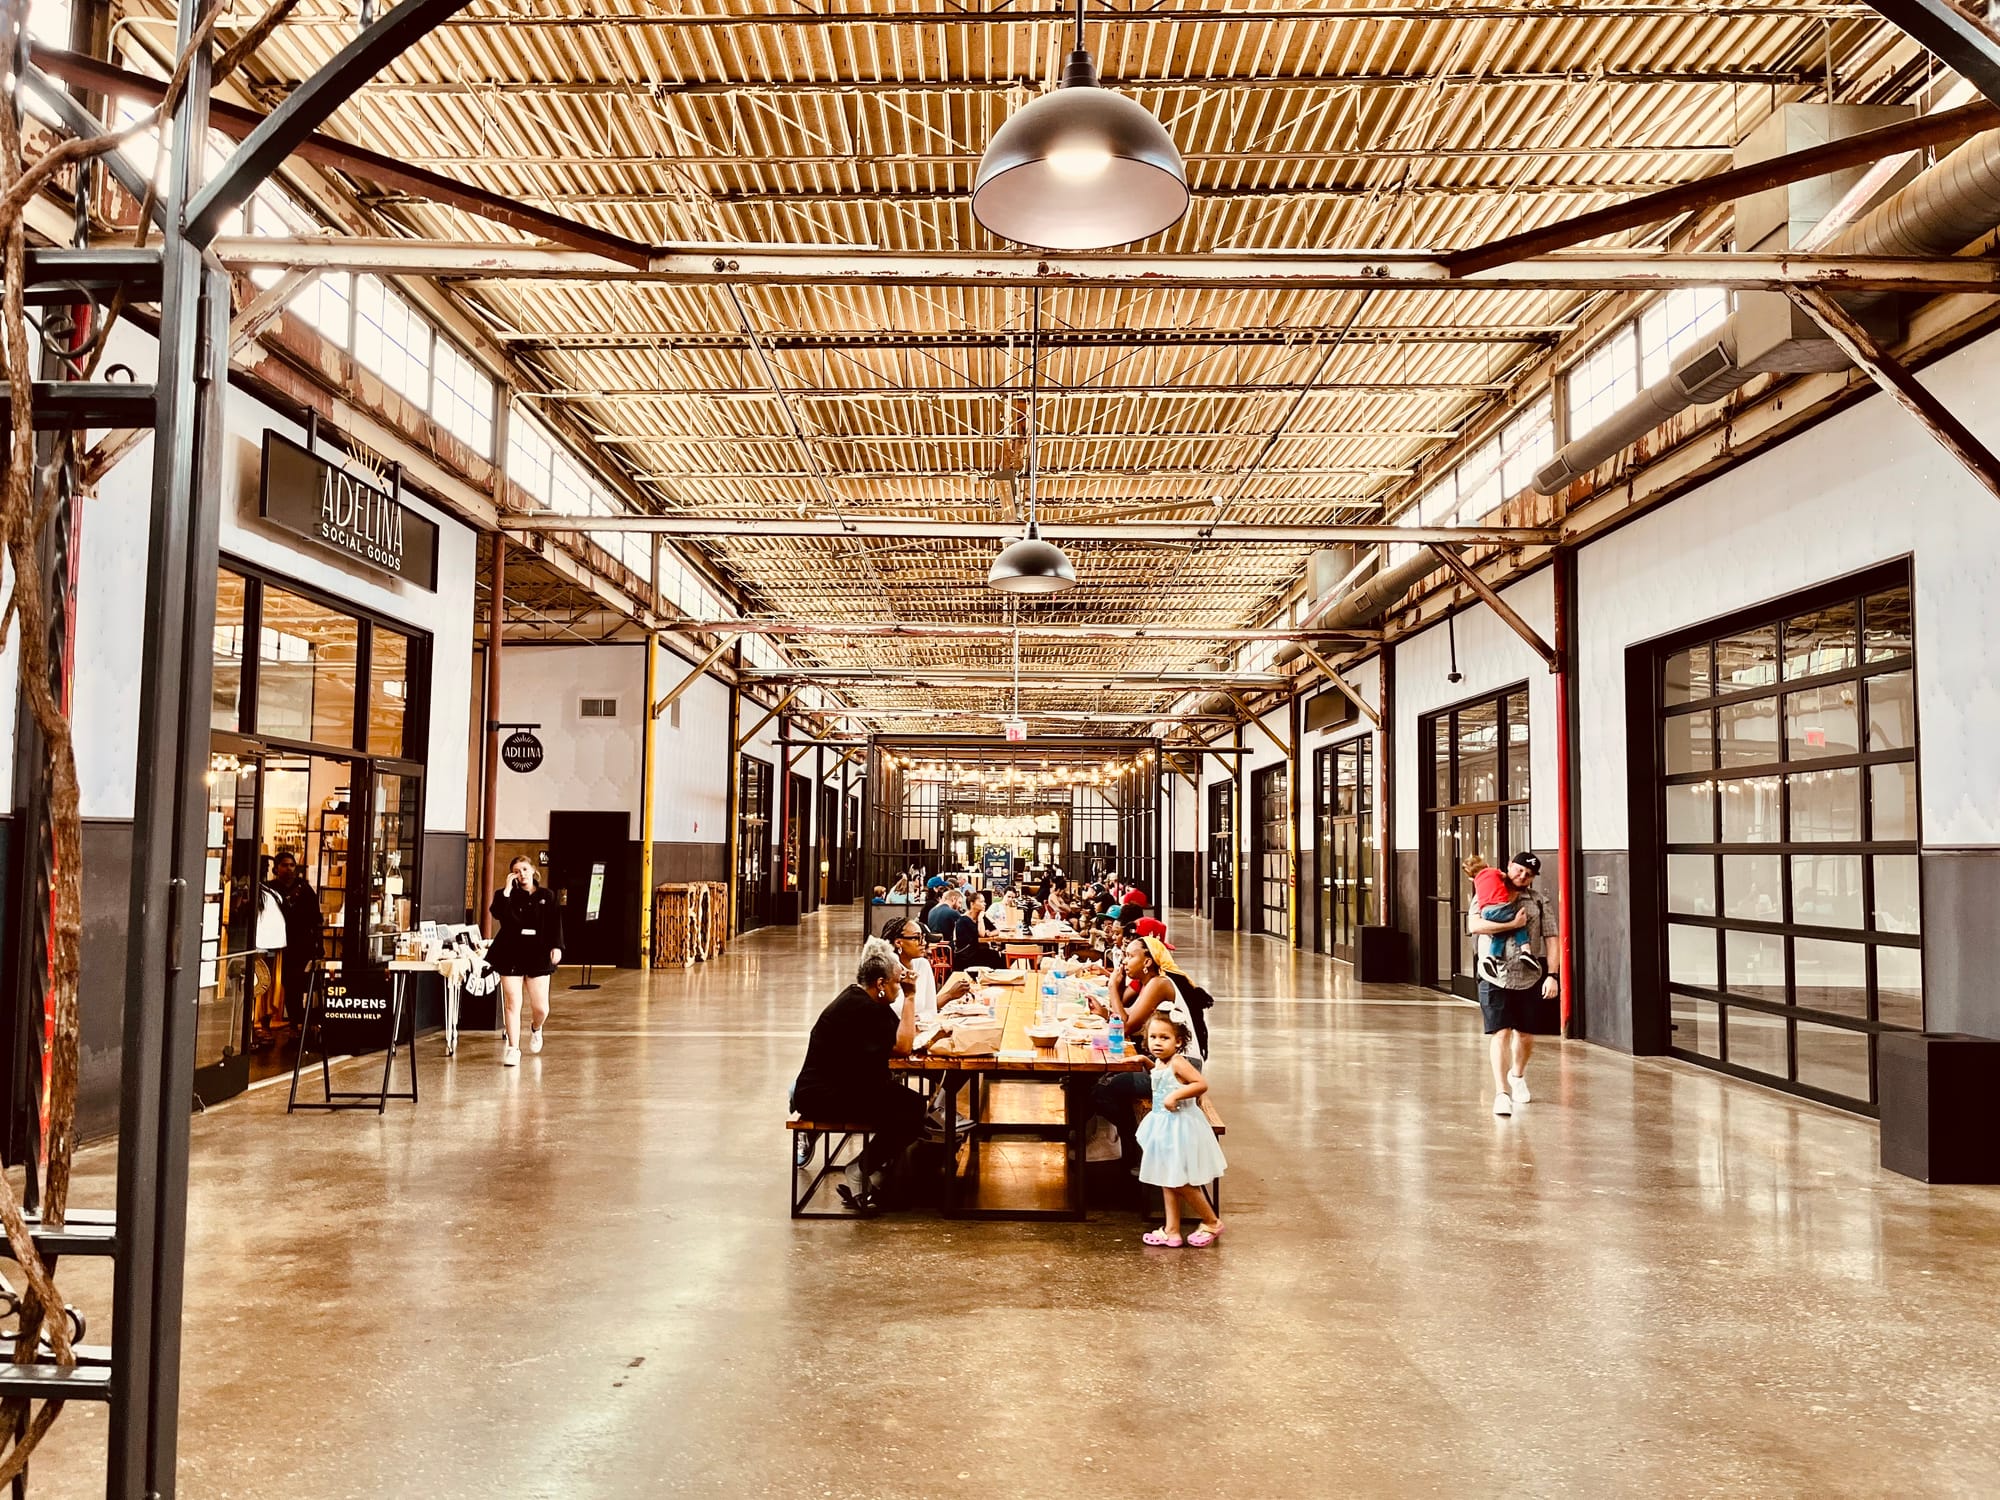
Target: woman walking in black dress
{"points": [[527, 946]]}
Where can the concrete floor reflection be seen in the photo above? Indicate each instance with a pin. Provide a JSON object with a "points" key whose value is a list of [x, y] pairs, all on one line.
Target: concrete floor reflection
{"points": [[578, 1280]]}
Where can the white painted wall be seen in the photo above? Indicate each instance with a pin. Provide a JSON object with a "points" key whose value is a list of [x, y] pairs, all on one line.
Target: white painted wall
{"points": [[588, 765], [1186, 815], [1491, 657], [1865, 486], [691, 762], [112, 592]]}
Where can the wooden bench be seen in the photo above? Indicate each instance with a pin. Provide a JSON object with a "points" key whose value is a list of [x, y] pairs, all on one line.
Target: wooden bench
{"points": [[829, 1139]]}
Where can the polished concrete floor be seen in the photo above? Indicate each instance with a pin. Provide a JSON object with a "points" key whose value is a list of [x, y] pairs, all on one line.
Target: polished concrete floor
{"points": [[578, 1280]]}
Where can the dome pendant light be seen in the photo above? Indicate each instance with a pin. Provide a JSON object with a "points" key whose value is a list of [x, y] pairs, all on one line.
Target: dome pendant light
{"points": [[1081, 168], [1031, 565]]}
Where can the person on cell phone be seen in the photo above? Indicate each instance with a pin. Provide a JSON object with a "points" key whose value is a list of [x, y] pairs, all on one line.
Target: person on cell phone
{"points": [[527, 946]]}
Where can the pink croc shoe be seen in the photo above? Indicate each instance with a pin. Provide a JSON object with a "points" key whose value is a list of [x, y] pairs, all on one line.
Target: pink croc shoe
{"points": [[1159, 1237]]}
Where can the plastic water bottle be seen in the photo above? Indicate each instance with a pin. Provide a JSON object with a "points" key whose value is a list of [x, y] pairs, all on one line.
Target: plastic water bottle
{"points": [[1048, 1007], [1117, 1041]]}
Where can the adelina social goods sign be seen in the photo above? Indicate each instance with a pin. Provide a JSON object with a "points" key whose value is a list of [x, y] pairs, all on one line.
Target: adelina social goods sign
{"points": [[345, 510]]}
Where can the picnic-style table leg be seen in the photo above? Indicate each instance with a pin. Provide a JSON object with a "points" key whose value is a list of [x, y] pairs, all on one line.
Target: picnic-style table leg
{"points": [[1076, 1145], [952, 1081]]}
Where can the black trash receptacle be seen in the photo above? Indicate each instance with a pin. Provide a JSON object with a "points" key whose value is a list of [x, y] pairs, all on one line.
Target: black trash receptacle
{"points": [[1382, 956], [1940, 1098]]}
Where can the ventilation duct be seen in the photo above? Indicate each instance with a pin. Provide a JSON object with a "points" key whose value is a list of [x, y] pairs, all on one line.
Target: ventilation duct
{"points": [[1367, 602], [1939, 212], [1361, 606]]}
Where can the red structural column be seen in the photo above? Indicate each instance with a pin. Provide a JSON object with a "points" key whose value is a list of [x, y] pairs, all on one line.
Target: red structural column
{"points": [[489, 818]]}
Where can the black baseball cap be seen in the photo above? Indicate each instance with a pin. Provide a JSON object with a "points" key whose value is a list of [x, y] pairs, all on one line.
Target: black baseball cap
{"points": [[1528, 860]]}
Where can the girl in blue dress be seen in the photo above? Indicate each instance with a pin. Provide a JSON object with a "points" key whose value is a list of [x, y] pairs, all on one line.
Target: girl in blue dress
{"points": [[1181, 1155]]}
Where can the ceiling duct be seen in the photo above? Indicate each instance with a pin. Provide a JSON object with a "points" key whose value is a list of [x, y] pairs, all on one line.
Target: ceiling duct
{"points": [[1939, 212]]}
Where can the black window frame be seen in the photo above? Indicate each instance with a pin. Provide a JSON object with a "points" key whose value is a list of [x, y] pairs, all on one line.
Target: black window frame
{"points": [[1432, 962], [1328, 897], [1652, 895]]}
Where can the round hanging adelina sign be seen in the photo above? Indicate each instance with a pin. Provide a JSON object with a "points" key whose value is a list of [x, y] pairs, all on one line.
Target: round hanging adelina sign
{"points": [[521, 751]]}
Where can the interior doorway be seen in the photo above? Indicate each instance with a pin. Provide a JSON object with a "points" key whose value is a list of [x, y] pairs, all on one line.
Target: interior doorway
{"points": [[1475, 791], [1344, 818], [1271, 855], [1222, 855]]}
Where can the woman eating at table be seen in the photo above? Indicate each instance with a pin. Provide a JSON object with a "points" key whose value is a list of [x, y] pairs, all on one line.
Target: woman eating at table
{"points": [[1148, 981], [906, 935]]}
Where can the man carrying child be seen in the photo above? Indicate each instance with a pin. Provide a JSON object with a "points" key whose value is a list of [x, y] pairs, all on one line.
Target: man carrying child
{"points": [[1516, 966]]}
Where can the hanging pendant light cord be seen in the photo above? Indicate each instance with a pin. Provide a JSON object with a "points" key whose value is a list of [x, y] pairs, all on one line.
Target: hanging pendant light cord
{"points": [[1035, 393], [1079, 25], [1014, 609]]}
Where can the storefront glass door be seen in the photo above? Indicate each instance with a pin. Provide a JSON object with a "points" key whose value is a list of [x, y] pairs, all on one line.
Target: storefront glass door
{"points": [[1222, 854], [1475, 795], [1270, 789], [235, 976], [1344, 812]]}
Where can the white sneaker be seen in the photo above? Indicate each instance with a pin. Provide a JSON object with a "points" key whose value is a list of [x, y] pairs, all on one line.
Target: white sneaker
{"points": [[535, 1043], [1518, 1087], [510, 1056], [1502, 1105]]}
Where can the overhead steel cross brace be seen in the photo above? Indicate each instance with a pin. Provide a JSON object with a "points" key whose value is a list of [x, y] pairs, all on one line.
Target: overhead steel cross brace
{"points": [[1507, 613], [1963, 42], [308, 107], [1894, 377]]}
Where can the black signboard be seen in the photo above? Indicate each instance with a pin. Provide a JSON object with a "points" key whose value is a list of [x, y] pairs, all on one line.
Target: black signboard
{"points": [[357, 1015], [521, 751], [357, 518]]}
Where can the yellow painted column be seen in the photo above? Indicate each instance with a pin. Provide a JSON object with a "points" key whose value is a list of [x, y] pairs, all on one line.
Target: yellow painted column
{"points": [[648, 749]]}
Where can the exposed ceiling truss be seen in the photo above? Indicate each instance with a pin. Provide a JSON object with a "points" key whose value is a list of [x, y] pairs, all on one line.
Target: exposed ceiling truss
{"points": [[791, 345]]}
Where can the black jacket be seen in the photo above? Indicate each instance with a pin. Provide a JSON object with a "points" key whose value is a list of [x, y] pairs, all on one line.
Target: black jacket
{"points": [[530, 925]]}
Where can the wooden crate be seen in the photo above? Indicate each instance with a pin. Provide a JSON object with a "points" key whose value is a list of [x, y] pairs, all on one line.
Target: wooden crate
{"points": [[690, 922]]}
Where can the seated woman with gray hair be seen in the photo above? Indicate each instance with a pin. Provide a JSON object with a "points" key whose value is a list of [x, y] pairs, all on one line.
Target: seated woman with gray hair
{"points": [[846, 1078]]}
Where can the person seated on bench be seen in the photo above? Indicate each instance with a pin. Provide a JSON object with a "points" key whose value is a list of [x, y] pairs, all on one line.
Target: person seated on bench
{"points": [[846, 1080], [919, 983]]}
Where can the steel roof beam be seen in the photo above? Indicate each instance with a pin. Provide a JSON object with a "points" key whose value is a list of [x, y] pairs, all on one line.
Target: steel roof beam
{"points": [[1639, 150], [910, 528], [1962, 41], [1624, 270], [309, 104], [530, 89], [1334, 192], [1034, 631], [979, 439], [862, 339], [1136, 471], [1327, 12], [623, 395], [1137, 679]]}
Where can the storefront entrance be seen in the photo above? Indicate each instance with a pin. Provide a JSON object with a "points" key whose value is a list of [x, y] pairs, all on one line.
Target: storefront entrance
{"points": [[1344, 820], [1222, 855], [316, 752], [753, 841], [1475, 795], [1271, 851]]}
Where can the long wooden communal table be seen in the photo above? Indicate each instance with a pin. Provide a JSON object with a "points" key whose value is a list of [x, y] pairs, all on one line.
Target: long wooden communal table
{"points": [[1074, 1067]]}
